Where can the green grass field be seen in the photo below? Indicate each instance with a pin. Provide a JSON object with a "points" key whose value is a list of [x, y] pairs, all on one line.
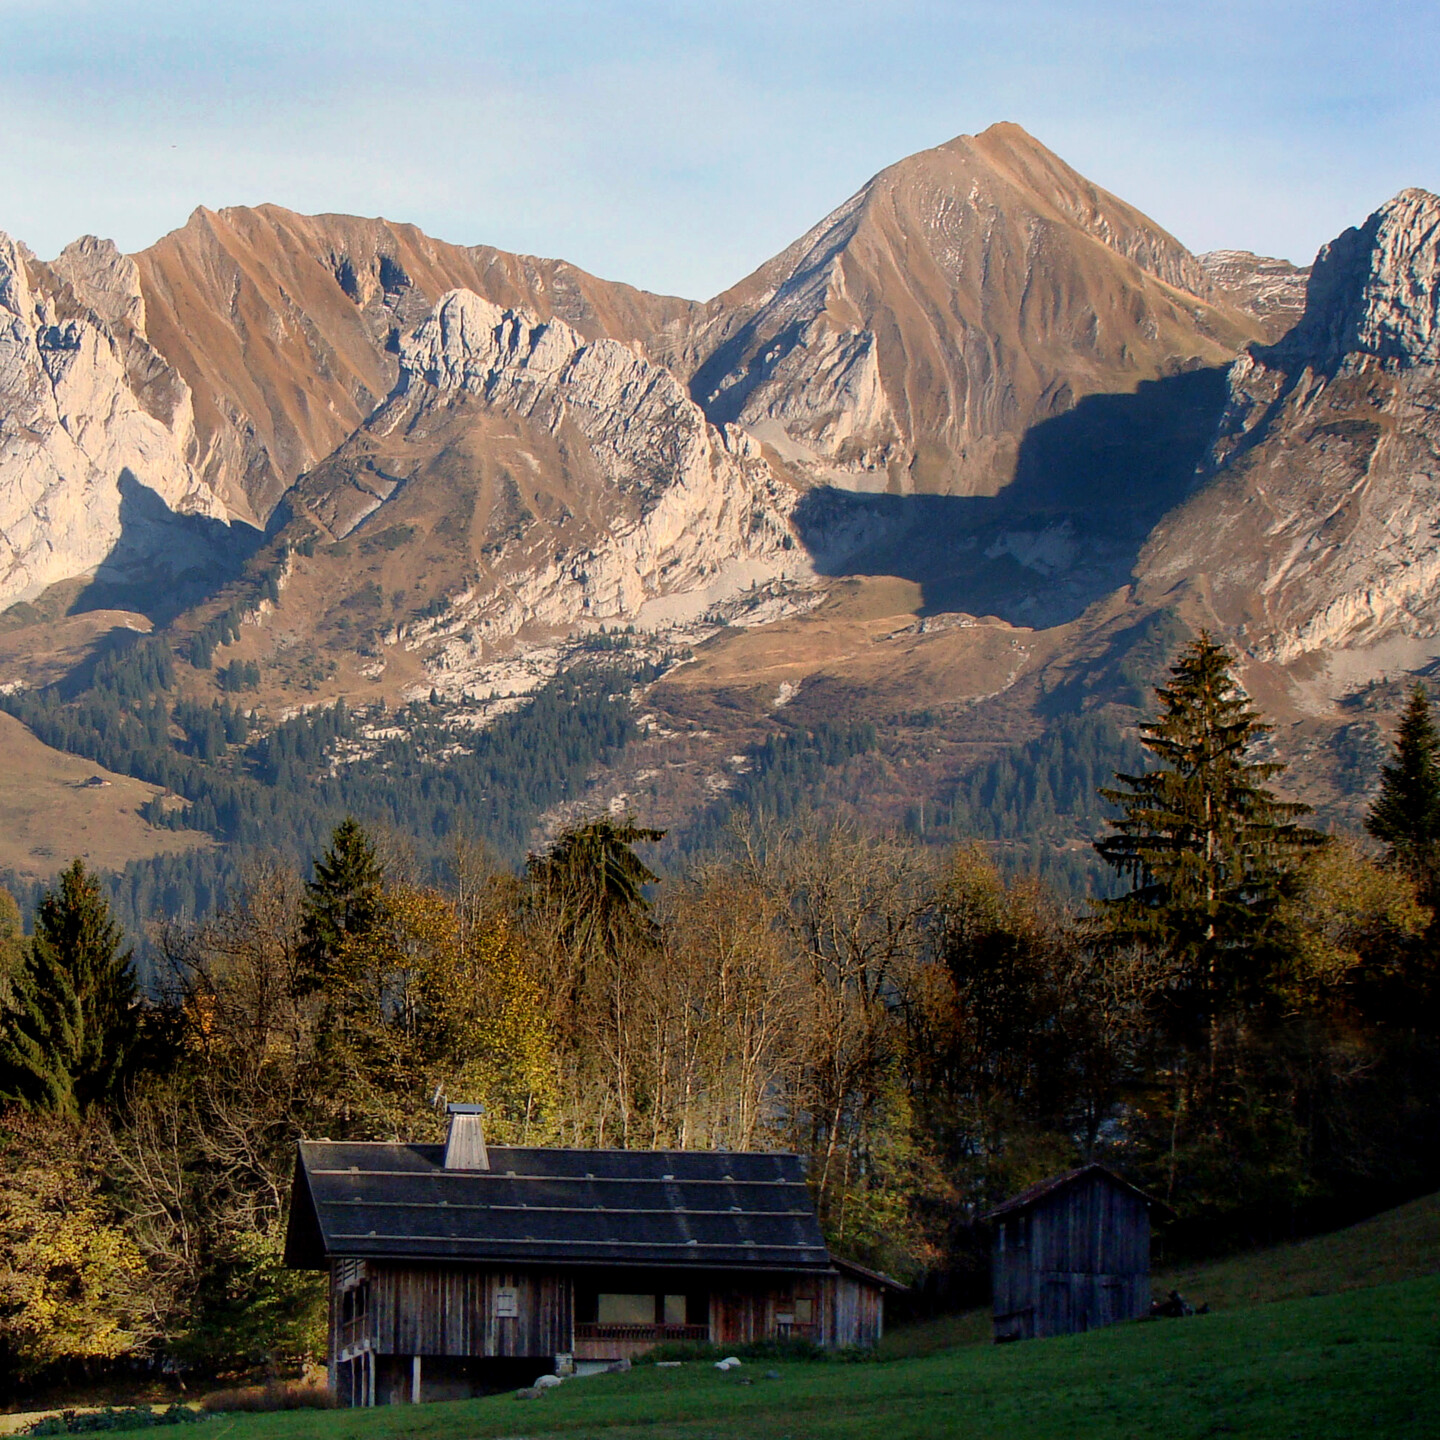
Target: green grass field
{"points": [[1333, 1337], [1363, 1363]]}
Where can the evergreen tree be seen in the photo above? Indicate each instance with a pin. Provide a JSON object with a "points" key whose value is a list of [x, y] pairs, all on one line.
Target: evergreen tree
{"points": [[12, 943], [72, 1033], [344, 901], [1204, 842], [1405, 817], [590, 886], [597, 882]]}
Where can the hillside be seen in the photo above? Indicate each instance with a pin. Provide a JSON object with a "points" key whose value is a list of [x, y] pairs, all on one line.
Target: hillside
{"points": [[963, 296], [55, 806], [1340, 1365]]}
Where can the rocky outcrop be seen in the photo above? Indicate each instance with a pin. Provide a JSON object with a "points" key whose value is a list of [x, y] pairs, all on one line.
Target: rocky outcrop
{"points": [[1270, 290], [596, 488], [285, 326], [1317, 531], [85, 462], [912, 338]]}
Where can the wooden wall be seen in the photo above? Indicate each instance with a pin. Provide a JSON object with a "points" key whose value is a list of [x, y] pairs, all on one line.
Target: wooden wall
{"points": [[410, 1310], [1073, 1261], [428, 1310], [845, 1311]]}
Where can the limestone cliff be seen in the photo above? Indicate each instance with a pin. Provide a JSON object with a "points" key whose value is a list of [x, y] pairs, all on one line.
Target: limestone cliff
{"points": [[1270, 290], [285, 326], [540, 480], [1317, 531], [94, 428]]}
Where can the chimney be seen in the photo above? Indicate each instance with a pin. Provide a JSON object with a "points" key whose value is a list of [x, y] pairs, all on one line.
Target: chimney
{"points": [[465, 1141]]}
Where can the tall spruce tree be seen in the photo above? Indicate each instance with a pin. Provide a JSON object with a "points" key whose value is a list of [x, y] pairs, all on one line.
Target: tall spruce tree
{"points": [[346, 899], [72, 1034], [1405, 817], [1204, 842]]}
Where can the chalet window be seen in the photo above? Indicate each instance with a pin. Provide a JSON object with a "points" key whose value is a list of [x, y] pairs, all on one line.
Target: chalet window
{"points": [[354, 1302], [674, 1309], [627, 1309], [804, 1311], [507, 1303]]}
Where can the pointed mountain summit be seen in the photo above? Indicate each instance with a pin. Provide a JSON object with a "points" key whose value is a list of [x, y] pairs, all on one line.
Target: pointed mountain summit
{"points": [[964, 295]]}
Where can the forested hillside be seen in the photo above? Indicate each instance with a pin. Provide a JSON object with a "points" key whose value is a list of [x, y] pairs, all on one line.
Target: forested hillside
{"points": [[1248, 1027]]}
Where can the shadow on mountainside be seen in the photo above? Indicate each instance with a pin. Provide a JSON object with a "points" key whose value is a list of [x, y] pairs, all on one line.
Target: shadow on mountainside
{"points": [[1089, 487], [164, 562]]}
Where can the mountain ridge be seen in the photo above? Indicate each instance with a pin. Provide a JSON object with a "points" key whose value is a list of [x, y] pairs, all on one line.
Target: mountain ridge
{"points": [[973, 444]]}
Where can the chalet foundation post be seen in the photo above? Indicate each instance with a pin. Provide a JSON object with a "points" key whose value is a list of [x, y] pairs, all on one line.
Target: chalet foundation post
{"points": [[415, 1380]]}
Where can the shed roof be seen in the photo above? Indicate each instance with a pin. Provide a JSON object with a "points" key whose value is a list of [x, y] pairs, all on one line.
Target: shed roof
{"points": [[1055, 1183], [587, 1207]]}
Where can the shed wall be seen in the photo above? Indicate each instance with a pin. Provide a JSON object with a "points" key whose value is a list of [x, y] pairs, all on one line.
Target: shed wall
{"points": [[1075, 1260]]}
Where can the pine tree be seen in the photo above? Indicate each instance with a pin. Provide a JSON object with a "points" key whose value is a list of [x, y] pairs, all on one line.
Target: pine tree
{"points": [[345, 899], [72, 1034], [1204, 842], [1405, 817]]}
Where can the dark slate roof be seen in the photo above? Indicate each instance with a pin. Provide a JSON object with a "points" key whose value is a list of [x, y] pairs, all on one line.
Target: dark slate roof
{"points": [[631, 1207], [1027, 1198]]}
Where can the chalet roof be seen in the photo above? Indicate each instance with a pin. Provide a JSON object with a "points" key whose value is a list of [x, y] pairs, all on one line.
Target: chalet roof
{"points": [[632, 1207], [1026, 1198]]}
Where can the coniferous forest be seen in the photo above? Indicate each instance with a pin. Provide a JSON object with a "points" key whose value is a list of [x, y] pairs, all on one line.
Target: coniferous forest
{"points": [[1247, 1023]]}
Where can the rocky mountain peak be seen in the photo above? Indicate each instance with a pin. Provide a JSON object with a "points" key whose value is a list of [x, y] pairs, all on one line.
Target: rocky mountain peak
{"points": [[1375, 290], [963, 296], [104, 279], [1270, 289]]}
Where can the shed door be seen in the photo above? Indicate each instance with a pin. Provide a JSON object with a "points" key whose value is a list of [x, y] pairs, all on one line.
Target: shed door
{"points": [[1055, 1313]]}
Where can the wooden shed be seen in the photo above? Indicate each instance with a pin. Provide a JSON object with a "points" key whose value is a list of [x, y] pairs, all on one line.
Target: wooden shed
{"points": [[462, 1269], [1069, 1254]]}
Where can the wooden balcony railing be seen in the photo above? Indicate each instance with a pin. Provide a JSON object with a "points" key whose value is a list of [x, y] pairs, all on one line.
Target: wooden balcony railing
{"points": [[656, 1334]]}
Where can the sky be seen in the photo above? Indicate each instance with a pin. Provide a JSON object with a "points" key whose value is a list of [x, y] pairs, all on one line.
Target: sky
{"points": [[678, 145]]}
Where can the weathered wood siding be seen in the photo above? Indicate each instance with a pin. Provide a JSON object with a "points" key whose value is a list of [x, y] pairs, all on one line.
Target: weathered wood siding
{"points": [[844, 1310], [415, 1310], [1075, 1260], [858, 1314]]}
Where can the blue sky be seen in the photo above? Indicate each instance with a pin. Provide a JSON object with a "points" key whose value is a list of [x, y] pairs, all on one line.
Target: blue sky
{"points": [[678, 145]]}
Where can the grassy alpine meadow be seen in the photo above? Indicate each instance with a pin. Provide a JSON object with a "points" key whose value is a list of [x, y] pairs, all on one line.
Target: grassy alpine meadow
{"points": [[1365, 1362]]}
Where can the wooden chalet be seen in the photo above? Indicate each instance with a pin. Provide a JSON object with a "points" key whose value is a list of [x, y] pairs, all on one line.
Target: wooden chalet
{"points": [[462, 1268], [1069, 1254]]}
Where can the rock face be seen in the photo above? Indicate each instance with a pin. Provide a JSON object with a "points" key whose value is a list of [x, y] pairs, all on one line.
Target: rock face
{"points": [[94, 428], [553, 479], [1270, 290], [1317, 531], [911, 339], [285, 326]]}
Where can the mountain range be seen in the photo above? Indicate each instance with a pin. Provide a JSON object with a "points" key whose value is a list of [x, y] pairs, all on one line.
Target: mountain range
{"points": [[972, 454]]}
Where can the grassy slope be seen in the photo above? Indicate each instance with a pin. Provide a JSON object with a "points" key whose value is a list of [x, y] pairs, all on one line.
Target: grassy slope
{"points": [[1334, 1366], [1395, 1245], [48, 815], [1398, 1244]]}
